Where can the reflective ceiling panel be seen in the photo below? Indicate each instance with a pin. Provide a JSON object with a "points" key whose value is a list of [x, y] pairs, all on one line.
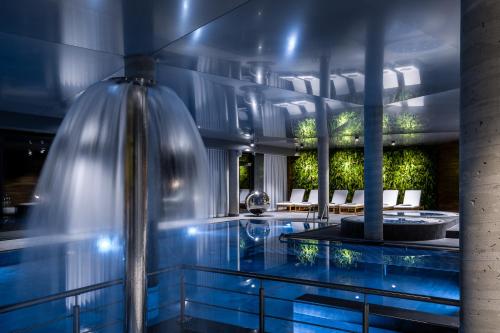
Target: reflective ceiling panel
{"points": [[114, 26], [248, 70], [41, 77], [278, 43], [237, 113]]}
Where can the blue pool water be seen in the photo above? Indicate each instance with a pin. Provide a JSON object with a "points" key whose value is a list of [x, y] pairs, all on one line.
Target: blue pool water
{"points": [[246, 246]]}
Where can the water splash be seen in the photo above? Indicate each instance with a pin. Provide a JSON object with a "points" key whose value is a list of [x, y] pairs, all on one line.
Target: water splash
{"points": [[80, 210]]}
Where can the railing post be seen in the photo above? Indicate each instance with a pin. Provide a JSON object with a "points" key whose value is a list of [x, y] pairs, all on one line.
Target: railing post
{"points": [[366, 316], [262, 310], [182, 299], [76, 316]]}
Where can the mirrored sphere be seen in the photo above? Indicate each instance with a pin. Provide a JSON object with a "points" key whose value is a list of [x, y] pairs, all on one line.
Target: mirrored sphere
{"points": [[257, 202], [258, 230]]}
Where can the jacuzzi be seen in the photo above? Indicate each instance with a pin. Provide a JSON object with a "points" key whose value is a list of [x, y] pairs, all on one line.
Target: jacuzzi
{"points": [[404, 225]]}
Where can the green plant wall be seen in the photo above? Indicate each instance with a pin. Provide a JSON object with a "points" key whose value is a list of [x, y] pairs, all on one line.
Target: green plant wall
{"points": [[305, 171], [404, 168], [244, 177]]}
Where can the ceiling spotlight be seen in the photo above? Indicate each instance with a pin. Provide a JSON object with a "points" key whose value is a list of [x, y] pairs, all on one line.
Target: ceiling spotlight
{"points": [[43, 150], [393, 143], [199, 126], [246, 135], [356, 139], [252, 144], [247, 149], [291, 43], [301, 146]]}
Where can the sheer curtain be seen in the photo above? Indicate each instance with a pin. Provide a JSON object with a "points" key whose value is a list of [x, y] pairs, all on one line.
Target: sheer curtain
{"points": [[218, 182], [275, 178], [273, 121]]}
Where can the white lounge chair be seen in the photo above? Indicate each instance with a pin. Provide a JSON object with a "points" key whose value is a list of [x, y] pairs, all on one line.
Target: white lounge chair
{"points": [[357, 204], [296, 197], [243, 195], [411, 200], [339, 197], [390, 199], [311, 202]]}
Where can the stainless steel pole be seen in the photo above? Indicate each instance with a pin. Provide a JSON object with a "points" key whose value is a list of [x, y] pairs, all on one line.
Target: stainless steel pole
{"points": [[262, 310], [76, 316], [366, 316], [136, 209]]}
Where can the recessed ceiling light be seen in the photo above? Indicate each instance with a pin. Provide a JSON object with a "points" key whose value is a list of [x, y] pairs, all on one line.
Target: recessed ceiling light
{"points": [[307, 77], [411, 75], [301, 102], [390, 79], [393, 143]]}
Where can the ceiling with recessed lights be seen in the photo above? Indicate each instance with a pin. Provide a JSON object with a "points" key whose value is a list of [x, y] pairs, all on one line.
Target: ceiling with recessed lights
{"points": [[247, 70]]}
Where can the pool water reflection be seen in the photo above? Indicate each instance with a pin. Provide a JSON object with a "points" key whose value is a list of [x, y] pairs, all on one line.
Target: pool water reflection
{"points": [[246, 246]]}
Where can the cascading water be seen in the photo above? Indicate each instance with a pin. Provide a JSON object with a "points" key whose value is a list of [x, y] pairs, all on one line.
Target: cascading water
{"points": [[81, 207]]}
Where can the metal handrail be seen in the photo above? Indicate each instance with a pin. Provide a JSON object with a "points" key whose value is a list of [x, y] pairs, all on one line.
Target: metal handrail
{"points": [[262, 277], [58, 296], [328, 285]]}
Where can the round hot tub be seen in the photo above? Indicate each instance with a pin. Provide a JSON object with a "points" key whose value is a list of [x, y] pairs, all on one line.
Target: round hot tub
{"points": [[404, 225]]}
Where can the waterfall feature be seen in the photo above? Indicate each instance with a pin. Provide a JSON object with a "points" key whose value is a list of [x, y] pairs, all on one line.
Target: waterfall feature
{"points": [[83, 195]]}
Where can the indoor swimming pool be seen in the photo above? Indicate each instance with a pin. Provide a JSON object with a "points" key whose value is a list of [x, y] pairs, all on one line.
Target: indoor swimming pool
{"points": [[218, 270]]}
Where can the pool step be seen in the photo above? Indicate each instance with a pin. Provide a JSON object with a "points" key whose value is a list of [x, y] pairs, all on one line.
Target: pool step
{"points": [[381, 316]]}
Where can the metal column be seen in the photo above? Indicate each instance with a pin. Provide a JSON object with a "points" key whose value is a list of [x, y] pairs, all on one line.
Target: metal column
{"points": [[373, 128], [136, 210], [323, 138], [234, 182]]}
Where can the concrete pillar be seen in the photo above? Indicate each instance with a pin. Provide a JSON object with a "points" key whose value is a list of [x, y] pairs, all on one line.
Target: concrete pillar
{"points": [[373, 131], [480, 166], [323, 137], [234, 182]]}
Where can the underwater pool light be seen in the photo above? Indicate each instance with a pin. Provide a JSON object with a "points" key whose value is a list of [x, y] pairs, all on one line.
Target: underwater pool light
{"points": [[106, 244], [192, 231]]}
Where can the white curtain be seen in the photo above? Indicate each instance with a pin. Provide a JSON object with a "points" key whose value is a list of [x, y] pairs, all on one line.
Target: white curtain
{"points": [[273, 121], [218, 182], [275, 178], [211, 104]]}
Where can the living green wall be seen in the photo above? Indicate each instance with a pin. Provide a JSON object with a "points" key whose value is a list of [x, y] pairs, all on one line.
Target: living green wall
{"points": [[404, 168], [245, 170]]}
